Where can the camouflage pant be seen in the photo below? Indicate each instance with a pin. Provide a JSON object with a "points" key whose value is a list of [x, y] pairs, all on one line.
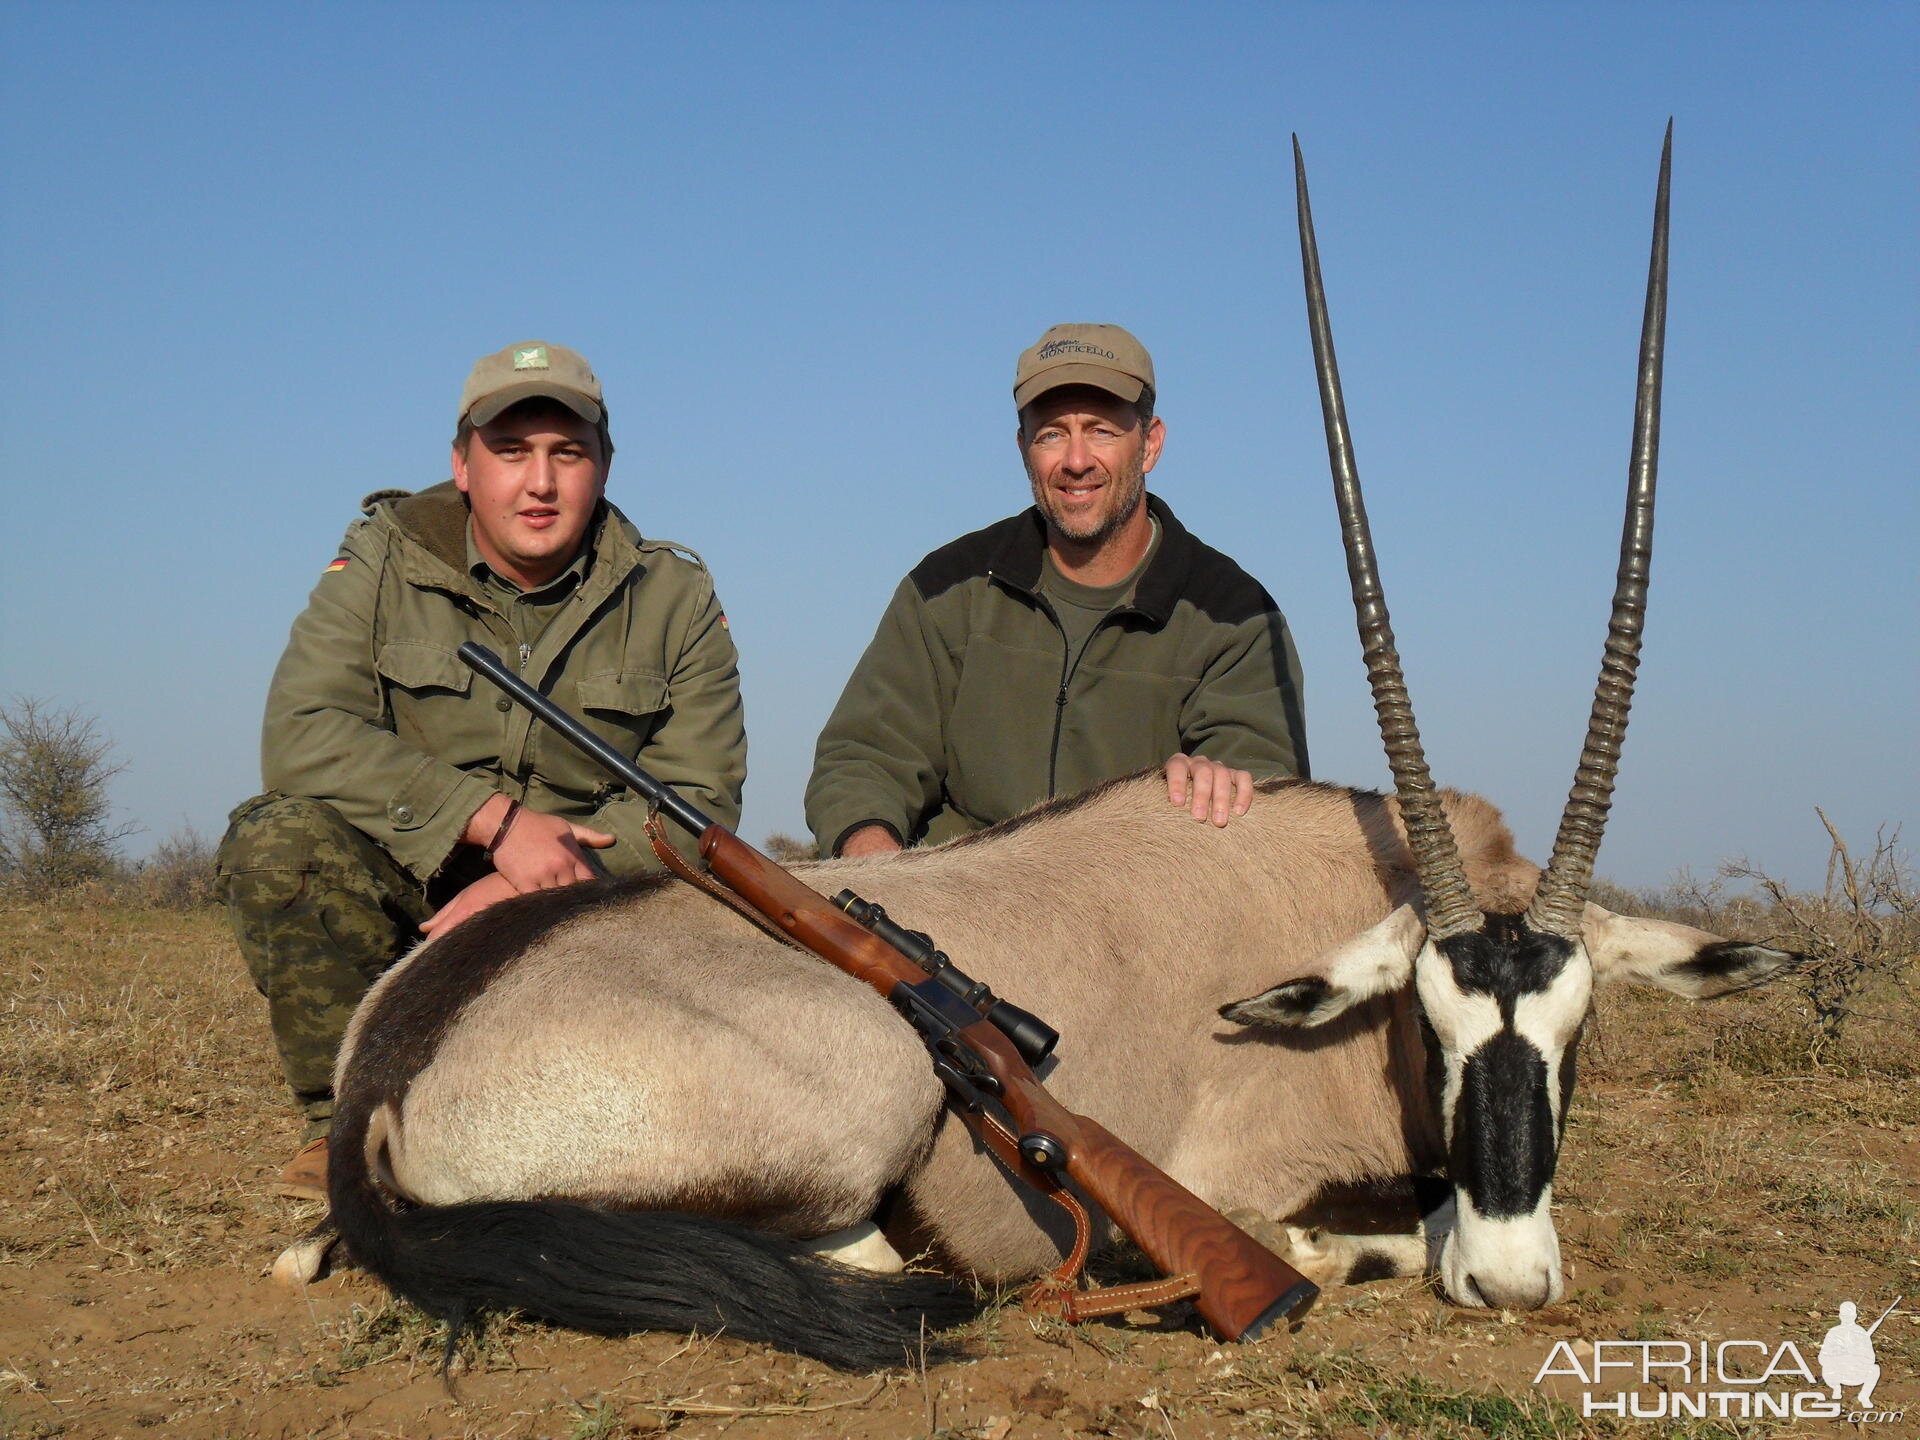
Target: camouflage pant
{"points": [[320, 912]]}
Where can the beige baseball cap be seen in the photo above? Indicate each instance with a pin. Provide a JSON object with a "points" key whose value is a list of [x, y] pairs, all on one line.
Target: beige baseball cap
{"points": [[523, 371], [1100, 355]]}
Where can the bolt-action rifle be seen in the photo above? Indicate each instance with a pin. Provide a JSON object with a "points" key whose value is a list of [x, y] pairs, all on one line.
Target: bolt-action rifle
{"points": [[983, 1050]]}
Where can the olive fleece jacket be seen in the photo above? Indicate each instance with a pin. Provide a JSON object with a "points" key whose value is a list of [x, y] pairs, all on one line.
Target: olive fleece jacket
{"points": [[372, 712], [968, 708]]}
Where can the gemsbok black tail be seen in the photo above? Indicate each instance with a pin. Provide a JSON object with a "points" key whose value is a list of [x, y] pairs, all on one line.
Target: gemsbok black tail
{"points": [[615, 1272]]}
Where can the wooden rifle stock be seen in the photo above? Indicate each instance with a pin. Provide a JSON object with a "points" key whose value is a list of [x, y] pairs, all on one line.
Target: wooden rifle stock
{"points": [[1240, 1286]]}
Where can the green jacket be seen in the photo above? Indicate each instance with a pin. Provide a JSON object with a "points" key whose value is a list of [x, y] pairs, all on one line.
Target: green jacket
{"points": [[372, 712], [964, 710]]}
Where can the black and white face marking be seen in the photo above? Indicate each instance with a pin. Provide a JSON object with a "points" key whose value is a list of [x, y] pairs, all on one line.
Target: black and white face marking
{"points": [[1504, 1007], [1501, 1011]]}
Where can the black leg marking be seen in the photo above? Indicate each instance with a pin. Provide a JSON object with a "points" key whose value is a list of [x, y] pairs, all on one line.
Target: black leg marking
{"points": [[1371, 1265]]}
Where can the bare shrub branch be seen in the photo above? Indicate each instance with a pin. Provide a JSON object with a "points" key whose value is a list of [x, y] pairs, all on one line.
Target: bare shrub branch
{"points": [[1853, 1005], [178, 875], [55, 818], [786, 849]]}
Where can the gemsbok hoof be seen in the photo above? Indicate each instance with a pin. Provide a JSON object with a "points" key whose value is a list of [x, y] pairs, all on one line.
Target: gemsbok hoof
{"points": [[305, 1260]]}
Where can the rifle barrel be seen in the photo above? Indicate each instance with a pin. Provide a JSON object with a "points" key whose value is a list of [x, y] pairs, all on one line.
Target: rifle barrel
{"points": [[1884, 1313], [662, 797]]}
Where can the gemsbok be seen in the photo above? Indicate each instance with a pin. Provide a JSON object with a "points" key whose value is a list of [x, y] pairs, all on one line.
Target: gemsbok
{"points": [[619, 1106]]}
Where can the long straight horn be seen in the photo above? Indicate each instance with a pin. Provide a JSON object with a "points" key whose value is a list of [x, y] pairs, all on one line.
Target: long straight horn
{"points": [[1443, 883], [1562, 893]]}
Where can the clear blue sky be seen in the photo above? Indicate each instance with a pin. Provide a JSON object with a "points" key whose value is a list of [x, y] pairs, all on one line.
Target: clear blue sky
{"points": [[247, 254]]}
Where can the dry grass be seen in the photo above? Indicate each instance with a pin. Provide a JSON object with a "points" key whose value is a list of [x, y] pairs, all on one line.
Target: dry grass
{"points": [[117, 1034]]}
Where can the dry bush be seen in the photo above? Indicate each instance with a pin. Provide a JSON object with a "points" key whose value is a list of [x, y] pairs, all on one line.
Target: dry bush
{"points": [[787, 850], [178, 875], [1853, 1007], [56, 830]]}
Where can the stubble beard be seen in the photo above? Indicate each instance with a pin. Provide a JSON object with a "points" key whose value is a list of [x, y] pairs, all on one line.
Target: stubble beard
{"points": [[1130, 485]]}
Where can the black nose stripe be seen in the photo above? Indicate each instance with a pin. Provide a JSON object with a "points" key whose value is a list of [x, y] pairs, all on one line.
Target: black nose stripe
{"points": [[1504, 1140]]}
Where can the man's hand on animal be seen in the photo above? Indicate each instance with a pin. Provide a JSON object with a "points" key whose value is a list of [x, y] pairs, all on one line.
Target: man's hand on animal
{"points": [[1208, 789], [983, 1050], [487, 890], [1205, 788], [537, 851], [530, 851], [631, 981]]}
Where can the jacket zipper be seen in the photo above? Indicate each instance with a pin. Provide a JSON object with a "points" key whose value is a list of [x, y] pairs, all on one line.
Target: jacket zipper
{"points": [[1069, 663], [1069, 666], [1066, 674], [519, 769]]}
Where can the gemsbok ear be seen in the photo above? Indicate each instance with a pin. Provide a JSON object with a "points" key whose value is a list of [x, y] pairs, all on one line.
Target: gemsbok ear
{"points": [[1676, 957], [1377, 960]]}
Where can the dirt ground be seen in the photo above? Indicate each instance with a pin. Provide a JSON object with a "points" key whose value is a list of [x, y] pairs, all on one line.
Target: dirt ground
{"points": [[142, 1115]]}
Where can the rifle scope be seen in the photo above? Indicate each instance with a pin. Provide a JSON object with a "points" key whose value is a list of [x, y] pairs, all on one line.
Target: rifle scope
{"points": [[1031, 1035]]}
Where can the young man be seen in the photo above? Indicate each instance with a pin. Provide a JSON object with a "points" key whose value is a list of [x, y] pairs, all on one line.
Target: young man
{"points": [[1085, 638], [403, 794]]}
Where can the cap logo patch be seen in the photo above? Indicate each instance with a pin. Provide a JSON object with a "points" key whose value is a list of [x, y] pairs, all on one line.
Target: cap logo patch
{"points": [[531, 357], [1072, 347]]}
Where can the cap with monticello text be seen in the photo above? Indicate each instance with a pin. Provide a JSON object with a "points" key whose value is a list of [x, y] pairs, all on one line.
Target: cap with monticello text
{"points": [[1104, 356], [531, 368]]}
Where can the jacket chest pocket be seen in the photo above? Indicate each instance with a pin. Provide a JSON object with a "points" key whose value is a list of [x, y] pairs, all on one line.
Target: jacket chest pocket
{"points": [[426, 692], [624, 708]]}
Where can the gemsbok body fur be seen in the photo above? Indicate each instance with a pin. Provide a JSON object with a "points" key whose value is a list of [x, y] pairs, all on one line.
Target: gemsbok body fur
{"points": [[620, 1106]]}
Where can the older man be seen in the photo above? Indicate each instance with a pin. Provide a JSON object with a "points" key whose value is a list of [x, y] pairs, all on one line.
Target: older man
{"points": [[1085, 638], [405, 797]]}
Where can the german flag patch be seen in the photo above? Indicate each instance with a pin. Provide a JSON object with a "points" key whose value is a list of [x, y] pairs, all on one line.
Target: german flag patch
{"points": [[339, 564]]}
